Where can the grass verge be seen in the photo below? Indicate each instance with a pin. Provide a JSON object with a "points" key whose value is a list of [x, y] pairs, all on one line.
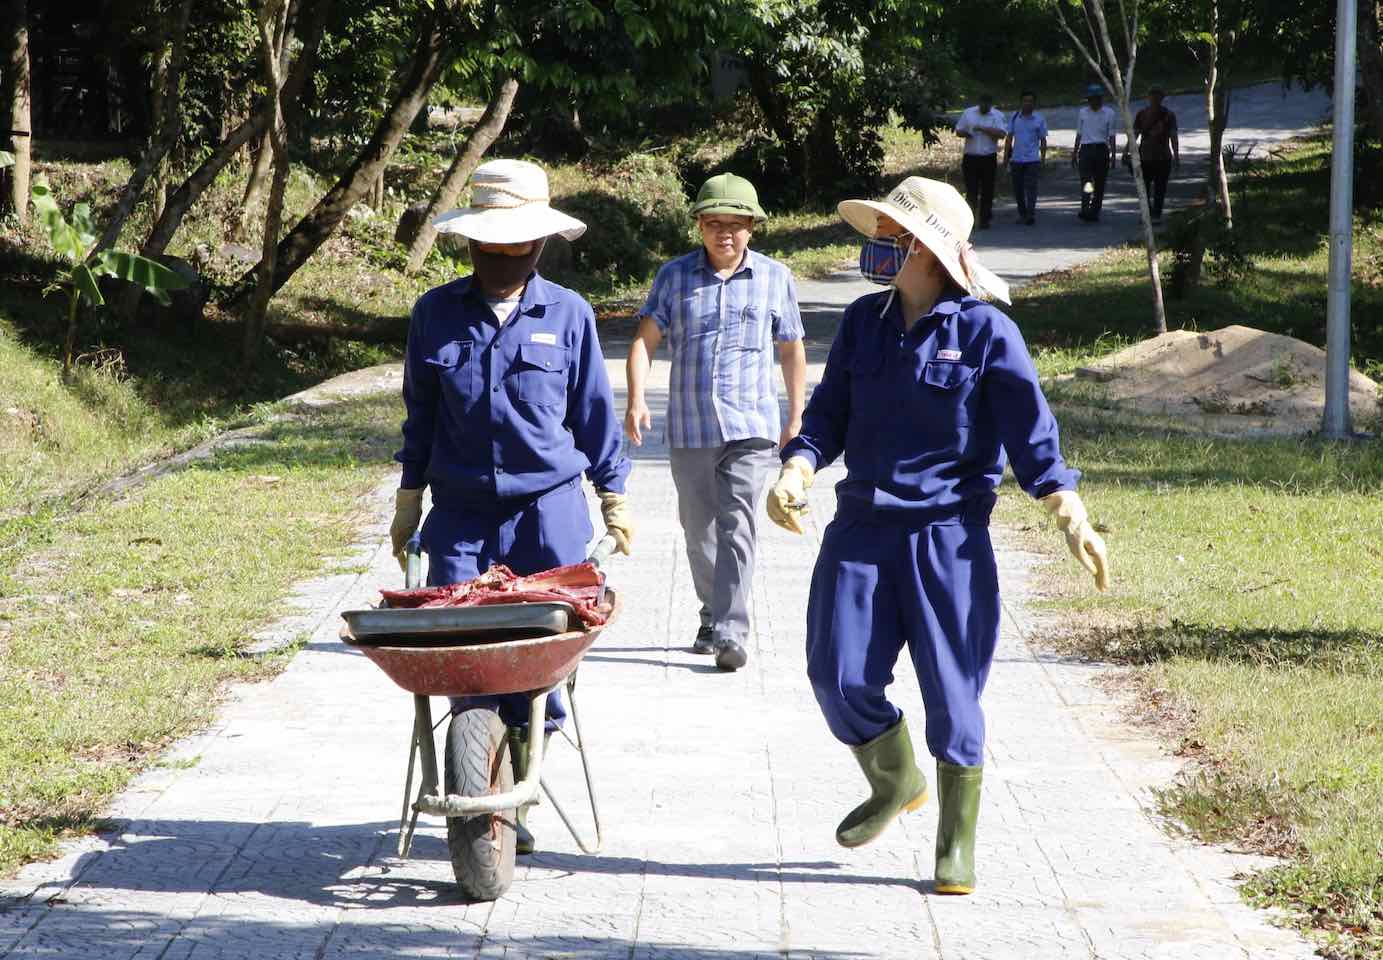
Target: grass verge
{"points": [[1246, 573], [120, 624]]}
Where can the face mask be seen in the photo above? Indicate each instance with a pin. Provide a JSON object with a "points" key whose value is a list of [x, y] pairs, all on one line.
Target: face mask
{"points": [[497, 271], [881, 258]]}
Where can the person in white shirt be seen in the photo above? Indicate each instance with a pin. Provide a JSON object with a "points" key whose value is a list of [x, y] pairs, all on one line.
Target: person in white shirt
{"points": [[982, 127], [1094, 152]]}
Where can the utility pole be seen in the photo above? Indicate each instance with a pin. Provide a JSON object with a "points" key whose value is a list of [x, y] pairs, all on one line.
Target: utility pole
{"points": [[1336, 424]]}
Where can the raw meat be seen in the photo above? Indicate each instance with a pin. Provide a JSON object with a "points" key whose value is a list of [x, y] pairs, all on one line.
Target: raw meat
{"points": [[579, 584]]}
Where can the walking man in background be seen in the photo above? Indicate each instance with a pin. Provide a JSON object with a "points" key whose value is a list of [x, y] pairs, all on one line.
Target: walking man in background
{"points": [[982, 128], [722, 308], [1025, 149], [1155, 130], [1094, 151]]}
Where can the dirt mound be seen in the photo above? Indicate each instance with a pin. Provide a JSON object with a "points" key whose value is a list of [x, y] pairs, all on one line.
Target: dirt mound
{"points": [[1237, 379]]}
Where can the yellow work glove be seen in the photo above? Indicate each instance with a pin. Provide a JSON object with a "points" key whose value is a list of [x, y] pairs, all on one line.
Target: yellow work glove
{"points": [[1085, 544], [614, 507], [408, 512], [787, 500]]}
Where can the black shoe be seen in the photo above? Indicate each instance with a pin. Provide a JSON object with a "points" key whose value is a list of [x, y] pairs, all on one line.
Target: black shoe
{"points": [[1030, 221], [705, 643], [730, 655]]}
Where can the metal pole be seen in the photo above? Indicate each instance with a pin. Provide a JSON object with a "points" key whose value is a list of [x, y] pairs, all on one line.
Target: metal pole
{"points": [[1336, 423]]}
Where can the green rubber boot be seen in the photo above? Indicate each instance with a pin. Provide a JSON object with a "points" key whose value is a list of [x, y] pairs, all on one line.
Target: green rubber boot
{"points": [[958, 792], [518, 760], [895, 785]]}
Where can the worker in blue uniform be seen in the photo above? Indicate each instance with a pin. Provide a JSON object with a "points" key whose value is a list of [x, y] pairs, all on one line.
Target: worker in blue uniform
{"points": [[508, 404], [925, 391]]}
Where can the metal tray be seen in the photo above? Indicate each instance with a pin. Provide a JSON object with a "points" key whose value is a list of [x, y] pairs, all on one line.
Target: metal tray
{"points": [[434, 626]]}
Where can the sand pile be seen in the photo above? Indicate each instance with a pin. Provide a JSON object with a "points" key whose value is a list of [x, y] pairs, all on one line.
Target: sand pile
{"points": [[1233, 380]]}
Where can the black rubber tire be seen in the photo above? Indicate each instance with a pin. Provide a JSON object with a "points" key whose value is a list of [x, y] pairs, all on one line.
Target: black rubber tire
{"points": [[477, 763]]}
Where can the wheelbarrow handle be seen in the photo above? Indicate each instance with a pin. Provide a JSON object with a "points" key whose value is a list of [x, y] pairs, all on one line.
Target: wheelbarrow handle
{"points": [[413, 562], [602, 551]]}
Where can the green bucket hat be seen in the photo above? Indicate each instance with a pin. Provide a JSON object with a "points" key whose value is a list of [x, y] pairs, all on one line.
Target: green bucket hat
{"points": [[727, 193]]}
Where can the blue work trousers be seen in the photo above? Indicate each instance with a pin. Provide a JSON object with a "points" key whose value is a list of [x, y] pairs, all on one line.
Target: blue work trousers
{"points": [[1025, 187], [879, 586], [528, 536]]}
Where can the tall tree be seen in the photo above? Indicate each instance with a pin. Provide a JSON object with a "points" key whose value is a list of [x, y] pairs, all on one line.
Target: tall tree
{"points": [[1117, 78], [828, 73], [431, 54], [273, 39], [169, 126], [15, 95], [481, 137], [311, 22]]}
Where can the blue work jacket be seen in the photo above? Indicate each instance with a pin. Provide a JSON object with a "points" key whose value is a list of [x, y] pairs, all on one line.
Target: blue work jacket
{"points": [[499, 412], [925, 417]]}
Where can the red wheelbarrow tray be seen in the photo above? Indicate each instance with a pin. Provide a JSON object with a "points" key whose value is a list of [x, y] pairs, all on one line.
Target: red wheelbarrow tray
{"points": [[475, 665]]}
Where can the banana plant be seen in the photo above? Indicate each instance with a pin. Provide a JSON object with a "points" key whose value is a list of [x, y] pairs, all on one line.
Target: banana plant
{"points": [[73, 239]]}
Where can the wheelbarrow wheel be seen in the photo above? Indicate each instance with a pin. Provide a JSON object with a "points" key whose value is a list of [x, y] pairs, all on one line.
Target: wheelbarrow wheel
{"points": [[477, 764]]}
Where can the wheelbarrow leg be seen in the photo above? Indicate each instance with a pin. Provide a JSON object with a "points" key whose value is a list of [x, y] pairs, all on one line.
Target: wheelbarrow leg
{"points": [[580, 745], [422, 743]]}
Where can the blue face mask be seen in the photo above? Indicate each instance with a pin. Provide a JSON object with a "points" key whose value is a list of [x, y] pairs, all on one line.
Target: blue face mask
{"points": [[881, 258]]}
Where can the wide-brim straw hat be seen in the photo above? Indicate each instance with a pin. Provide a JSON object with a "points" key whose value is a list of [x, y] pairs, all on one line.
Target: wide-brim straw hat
{"points": [[509, 204], [938, 216]]}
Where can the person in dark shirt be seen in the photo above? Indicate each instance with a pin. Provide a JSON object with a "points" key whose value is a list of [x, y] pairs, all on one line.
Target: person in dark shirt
{"points": [[927, 391], [1155, 130]]}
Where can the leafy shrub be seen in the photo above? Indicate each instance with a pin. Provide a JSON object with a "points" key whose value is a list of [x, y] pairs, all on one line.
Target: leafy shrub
{"points": [[635, 210]]}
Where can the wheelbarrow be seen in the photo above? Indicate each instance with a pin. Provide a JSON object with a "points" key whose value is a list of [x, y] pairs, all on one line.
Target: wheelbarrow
{"points": [[530, 648]]}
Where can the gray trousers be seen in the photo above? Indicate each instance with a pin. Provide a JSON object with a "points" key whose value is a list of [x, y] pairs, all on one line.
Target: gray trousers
{"points": [[718, 489]]}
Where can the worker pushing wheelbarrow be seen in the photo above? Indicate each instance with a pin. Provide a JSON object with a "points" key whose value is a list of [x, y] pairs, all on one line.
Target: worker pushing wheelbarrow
{"points": [[508, 404]]}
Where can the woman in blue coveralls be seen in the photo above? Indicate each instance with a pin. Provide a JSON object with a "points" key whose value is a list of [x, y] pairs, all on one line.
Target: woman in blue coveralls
{"points": [[508, 403], [925, 390]]}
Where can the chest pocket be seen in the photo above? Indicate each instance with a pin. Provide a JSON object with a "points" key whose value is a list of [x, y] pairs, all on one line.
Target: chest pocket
{"points": [[542, 373], [452, 362], [948, 391], [751, 334]]}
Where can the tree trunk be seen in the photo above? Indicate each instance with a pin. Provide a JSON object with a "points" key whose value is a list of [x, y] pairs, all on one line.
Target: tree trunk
{"points": [[430, 58], [763, 85], [1122, 85], [273, 36], [1371, 65], [250, 128], [478, 142], [17, 117], [167, 133], [254, 188], [1219, 176]]}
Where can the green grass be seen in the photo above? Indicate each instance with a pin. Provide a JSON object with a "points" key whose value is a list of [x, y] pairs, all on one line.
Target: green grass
{"points": [[1246, 592], [119, 623], [1246, 573]]}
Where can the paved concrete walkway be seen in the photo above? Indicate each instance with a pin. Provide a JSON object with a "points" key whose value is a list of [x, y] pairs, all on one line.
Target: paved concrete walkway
{"points": [[271, 835]]}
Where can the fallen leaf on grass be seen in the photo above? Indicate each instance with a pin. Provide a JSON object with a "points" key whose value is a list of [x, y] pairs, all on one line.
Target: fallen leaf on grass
{"points": [[152, 540], [264, 479]]}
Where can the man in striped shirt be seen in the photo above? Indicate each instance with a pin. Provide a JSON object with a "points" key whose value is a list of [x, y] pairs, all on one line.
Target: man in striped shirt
{"points": [[722, 309]]}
